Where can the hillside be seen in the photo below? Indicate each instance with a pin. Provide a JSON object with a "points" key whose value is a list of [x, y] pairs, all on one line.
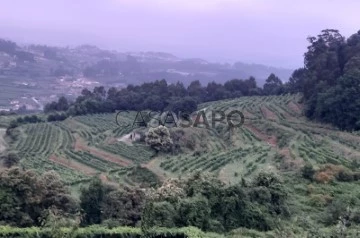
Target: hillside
{"points": [[276, 137]]}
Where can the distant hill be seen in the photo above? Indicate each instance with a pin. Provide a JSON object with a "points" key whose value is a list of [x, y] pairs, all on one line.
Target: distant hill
{"points": [[42, 72], [206, 71], [261, 72]]}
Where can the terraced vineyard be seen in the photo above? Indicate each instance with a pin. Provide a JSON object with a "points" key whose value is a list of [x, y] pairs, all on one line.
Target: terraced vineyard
{"points": [[275, 136], [78, 147]]}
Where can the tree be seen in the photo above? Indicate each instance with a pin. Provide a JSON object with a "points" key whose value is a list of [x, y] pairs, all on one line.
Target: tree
{"points": [[273, 85], [194, 211], [63, 104], [10, 159], [340, 105], [185, 105], [202, 200], [308, 172], [25, 198], [324, 57], [177, 90], [162, 214], [215, 91], [91, 199], [196, 90], [157, 96], [86, 93], [123, 206], [329, 80], [297, 81], [99, 92], [56, 195], [155, 103], [159, 139], [240, 87]]}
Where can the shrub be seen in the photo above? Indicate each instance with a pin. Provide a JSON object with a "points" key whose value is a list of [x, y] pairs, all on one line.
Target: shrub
{"points": [[323, 177], [10, 159], [159, 139], [100, 231], [308, 171], [328, 173], [319, 200], [345, 176]]}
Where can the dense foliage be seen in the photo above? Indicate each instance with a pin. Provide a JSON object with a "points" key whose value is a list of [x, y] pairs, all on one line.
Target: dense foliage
{"points": [[25, 120], [330, 79], [158, 96], [201, 201], [102, 203], [26, 199], [100, 232], [159, 138]]}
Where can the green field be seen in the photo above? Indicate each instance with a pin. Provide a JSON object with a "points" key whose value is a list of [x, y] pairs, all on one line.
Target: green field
{"points": [[77, 148], [275, 136]]}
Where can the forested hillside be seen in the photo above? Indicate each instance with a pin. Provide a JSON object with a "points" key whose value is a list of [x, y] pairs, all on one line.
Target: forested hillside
{"points": [[330, 80], [290, 169], [212, 171]]}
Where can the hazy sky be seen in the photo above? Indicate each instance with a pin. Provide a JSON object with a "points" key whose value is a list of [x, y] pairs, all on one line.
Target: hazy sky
{"points": [[271, 32]]}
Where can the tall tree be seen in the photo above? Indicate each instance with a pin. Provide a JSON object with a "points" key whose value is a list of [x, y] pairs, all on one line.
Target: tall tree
{"points": [[91, 199], [273, 85]]}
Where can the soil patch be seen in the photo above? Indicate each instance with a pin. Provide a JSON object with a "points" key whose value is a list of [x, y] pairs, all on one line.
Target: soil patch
{"points": [[71, 164]]}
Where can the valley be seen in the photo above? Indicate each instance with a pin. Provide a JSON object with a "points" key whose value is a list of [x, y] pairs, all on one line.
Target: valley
{"points": [[33, 75]]}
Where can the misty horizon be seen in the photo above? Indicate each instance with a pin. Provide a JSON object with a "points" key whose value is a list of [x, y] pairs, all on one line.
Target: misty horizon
{"points": [[270, 33]]}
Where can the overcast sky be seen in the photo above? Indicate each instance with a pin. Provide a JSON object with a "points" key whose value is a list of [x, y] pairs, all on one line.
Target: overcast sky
{"points": [[271, 32]]}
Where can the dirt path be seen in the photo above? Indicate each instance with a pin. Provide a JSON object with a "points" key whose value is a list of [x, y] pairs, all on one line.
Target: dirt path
{"points": [[249, 115], [71, 164], [150, 166], [81, 146], [269, 115], [295, 107], [271, 140], [3, 144]]}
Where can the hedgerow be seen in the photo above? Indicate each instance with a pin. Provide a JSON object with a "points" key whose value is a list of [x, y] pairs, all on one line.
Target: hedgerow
{"points": [[99, 232]]}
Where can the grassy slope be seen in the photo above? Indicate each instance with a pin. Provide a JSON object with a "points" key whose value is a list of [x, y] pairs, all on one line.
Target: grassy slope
{"points": [[79, 148], [276, 137]]}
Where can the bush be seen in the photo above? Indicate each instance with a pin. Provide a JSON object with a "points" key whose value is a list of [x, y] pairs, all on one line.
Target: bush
{"points": [[56, 117], [345, 176], [10, 159], [159, 139], [308, 172], [100, 232]]}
